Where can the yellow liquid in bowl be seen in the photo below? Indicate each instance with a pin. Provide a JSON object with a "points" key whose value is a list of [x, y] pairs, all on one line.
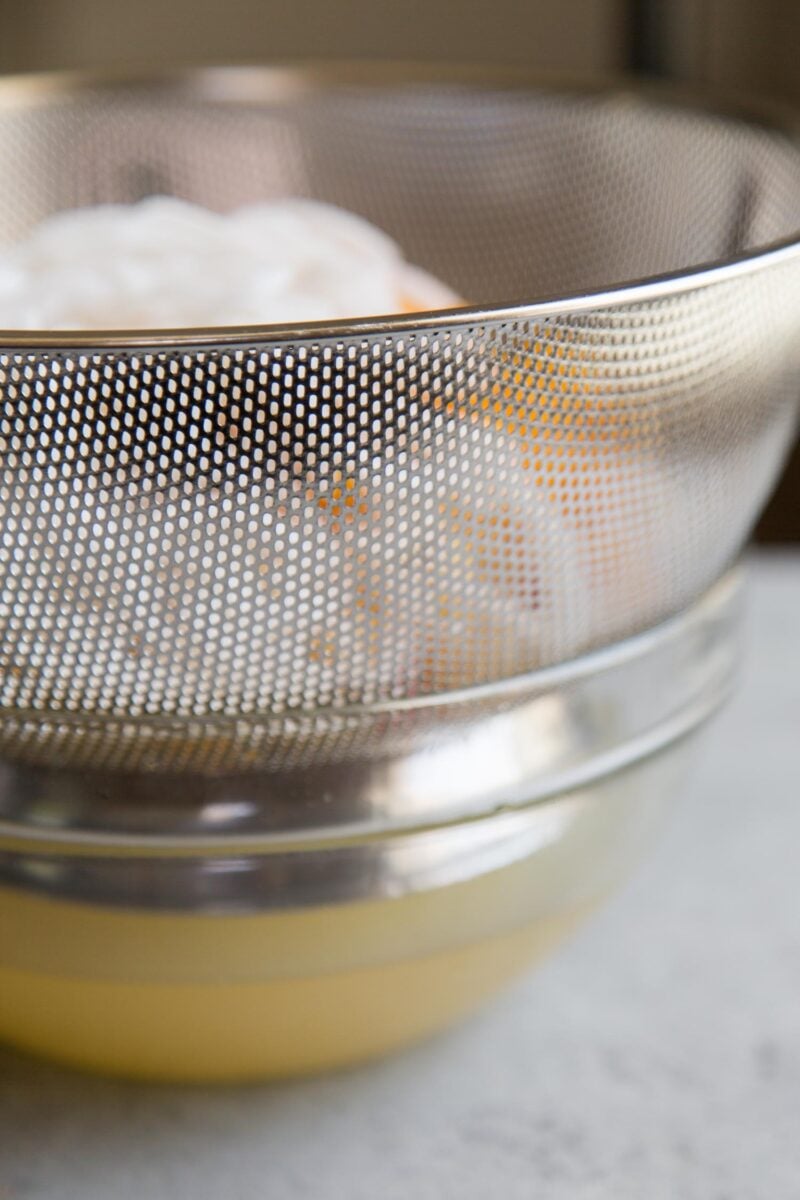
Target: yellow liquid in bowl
{"points": [[279, 1027], [193, 996]]}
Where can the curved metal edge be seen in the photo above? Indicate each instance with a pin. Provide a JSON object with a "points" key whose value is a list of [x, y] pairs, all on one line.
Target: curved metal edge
{"points": [[509, 759], [242, 84], [246, 881], [91, 844]]}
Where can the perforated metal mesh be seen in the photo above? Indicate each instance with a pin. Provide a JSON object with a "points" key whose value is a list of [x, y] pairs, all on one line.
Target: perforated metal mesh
{"points": [[247, 532]]}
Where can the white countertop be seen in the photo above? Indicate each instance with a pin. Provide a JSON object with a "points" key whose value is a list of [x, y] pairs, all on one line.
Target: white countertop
{"points": [[656, 1057]]}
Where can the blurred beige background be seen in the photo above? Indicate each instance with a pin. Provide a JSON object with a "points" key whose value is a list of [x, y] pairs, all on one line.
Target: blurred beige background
{"points": [[751, 45], [579, 34], [748, 43]]}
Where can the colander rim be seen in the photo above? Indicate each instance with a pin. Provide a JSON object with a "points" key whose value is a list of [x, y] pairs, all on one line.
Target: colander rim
{"points": [[687, 666], [245, 83]]}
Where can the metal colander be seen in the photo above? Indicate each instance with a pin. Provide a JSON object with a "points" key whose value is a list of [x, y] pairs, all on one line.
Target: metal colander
{"points": [[237, 548]]}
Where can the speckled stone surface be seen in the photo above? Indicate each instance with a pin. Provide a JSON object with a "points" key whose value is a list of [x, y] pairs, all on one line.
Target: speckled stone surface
{"points": [[657, 1057]]}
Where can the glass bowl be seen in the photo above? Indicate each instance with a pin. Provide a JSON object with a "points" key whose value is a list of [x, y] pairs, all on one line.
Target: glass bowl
{"points": [[169, 932]]}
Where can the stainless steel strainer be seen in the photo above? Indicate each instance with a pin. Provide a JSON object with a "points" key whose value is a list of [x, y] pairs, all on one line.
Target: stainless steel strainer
{"points": [[260, 548]]}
